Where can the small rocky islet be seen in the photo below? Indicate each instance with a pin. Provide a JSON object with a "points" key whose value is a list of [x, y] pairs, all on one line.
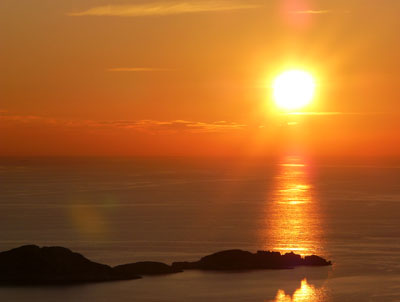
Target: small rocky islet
{"points": [[34, 265], [244, 260]]}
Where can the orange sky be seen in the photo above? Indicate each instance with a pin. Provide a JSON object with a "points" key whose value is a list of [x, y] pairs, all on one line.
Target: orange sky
{"points": [[103, 77]]}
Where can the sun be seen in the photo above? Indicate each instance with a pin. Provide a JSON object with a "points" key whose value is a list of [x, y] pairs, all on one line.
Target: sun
{"points": [[293, 89]]}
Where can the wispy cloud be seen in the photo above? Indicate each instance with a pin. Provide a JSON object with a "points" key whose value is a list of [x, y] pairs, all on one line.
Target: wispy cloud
{"points": [[163, 8], [333, 113], [137, 69], [4, 117], [148, 126], [311, 12], [174, 126], [319, 12]]}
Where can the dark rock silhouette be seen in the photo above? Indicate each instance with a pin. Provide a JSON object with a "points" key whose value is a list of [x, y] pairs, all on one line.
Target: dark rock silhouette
{"points": [[146, 268], [243, 260], [31, 264], [314, 260]]}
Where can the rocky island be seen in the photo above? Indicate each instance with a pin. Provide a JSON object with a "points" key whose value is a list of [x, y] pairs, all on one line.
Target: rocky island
{"points": [[244, 260], [34, 265]]}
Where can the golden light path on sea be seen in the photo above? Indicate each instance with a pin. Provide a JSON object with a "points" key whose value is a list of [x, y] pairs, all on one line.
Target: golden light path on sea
{"points": [[292, 215]]}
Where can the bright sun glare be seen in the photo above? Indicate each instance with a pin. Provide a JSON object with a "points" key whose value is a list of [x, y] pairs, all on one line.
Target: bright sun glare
{"points": [[293, 89]]}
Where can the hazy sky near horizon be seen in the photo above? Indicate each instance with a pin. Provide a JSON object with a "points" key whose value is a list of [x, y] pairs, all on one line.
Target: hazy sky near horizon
{"points": [[119, 77]]}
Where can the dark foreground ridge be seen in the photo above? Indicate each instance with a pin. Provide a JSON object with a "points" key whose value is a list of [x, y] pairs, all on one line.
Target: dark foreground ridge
{"points": [[243, 260], [32, 265]]}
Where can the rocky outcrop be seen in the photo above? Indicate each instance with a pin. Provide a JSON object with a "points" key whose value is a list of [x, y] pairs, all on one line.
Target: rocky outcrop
{"points": [[244, 260], [32, 265], [146, 268]]}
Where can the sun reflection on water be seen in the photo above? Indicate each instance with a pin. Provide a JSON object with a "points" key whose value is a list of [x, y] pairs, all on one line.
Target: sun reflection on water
{"points": [[292, 215], [306, 292]]}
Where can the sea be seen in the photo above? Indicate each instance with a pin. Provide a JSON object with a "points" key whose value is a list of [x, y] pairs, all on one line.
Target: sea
{"points": [[123, 210]]}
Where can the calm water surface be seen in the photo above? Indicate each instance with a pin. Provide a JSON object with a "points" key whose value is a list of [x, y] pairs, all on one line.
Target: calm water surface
{"points": [[124, 210]]}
